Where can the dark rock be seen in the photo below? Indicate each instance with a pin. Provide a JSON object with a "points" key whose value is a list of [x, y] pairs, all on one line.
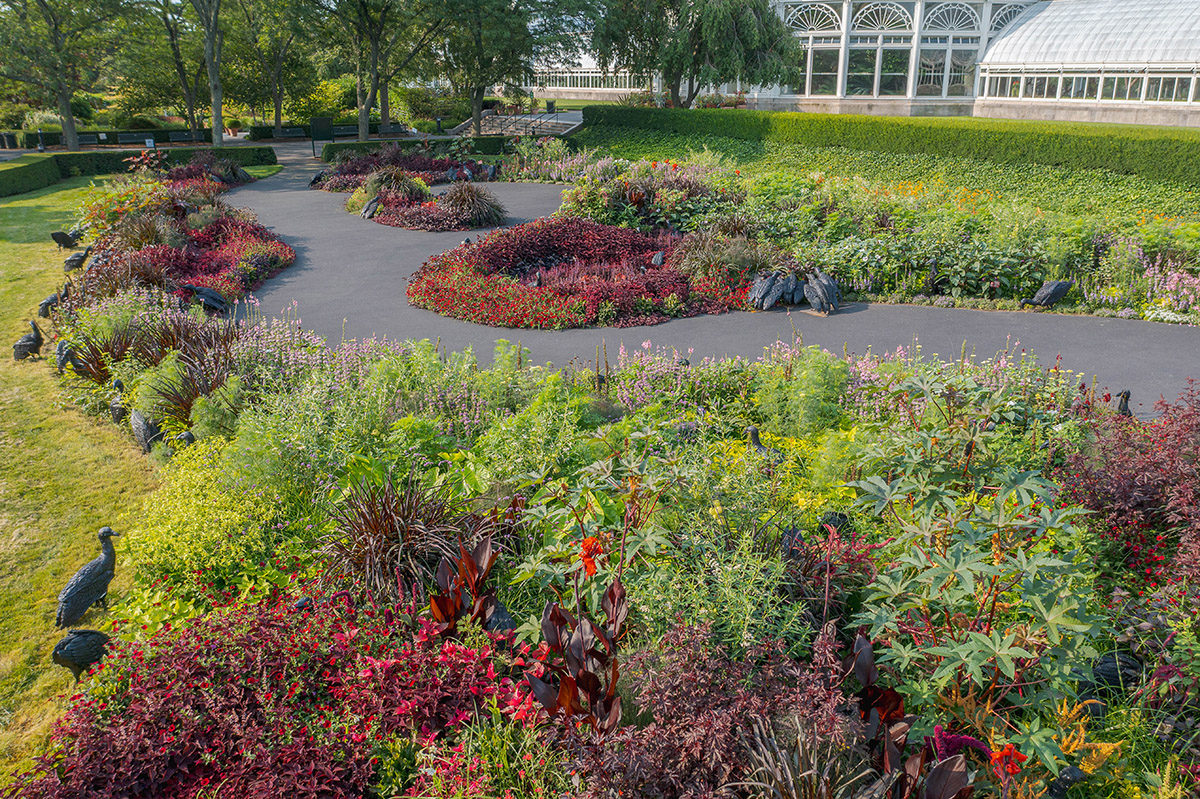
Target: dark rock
{"points": [[501, 621], [1068, 777], [838, 521], [118, 410], [790, 541], [657, 260], [368, 211]]}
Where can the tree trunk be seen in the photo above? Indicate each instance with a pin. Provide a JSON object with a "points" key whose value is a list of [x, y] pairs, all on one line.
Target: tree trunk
{"points": [[279, 114], [477, 95], [673, 89], [212, 57], [385, 108], [70, 136], [364, 109]]}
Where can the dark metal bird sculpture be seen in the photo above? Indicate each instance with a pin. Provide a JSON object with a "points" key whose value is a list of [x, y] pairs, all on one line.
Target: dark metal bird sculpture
{"points": [[499, 620], [317, 178], [369, 210], [187, 437], [76, 260], [28, 344], [1123, 404], [146, 432], [467, 240], [80, 650], [770, 454], [65, 241], [64, 356], [90, 584], [1051, 292], [45, 305], [117, 407], [814, 292], [210, 299], [791, 539], [833, 291]]}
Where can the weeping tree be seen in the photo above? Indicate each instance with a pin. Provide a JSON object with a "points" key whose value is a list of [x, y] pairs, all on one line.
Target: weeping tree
{"points": [[697, 43], [383, 37], [57, 47]]}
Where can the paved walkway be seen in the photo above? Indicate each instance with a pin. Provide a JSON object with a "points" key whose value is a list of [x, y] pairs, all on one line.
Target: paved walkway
{"points": [[350, 276]]}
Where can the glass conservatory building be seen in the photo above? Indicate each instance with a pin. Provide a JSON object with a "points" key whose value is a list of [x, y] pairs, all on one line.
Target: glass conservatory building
{"points": [[1118, 60], [1112, 60]]}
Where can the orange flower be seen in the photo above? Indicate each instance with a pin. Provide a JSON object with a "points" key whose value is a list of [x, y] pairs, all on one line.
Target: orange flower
{"points": [[590, 549], [1007, 761]]}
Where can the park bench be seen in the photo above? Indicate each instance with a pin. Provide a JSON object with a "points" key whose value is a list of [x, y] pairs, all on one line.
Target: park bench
{"points": [[134, 138], [183, 135], [292, 133], [89, 138], [345, 130]]}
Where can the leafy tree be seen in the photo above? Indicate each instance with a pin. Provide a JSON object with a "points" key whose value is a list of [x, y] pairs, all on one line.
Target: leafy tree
{"points": [[383, 37], [209, 12], [270, 36], [162, 62], [490, 42], [697, 43], [57, 46]]}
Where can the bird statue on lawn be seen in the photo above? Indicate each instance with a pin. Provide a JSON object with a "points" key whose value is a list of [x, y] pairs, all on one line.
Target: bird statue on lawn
{"points": [[80, 650], [89, 586], [29, 344]]}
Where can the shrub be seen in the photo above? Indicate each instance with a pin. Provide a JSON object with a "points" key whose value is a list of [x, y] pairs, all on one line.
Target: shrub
{"points": [[476, 205], [388, 533], [262, 700], [699, 700], [1140, 478], [1157, 153], [203, 523]]}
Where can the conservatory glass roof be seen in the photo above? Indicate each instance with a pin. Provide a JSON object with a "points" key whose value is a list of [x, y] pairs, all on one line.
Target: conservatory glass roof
{"points": [[1083, 32]]}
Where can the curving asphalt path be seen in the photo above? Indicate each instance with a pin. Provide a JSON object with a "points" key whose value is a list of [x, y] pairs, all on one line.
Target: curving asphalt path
{"points": [[350, 276]]}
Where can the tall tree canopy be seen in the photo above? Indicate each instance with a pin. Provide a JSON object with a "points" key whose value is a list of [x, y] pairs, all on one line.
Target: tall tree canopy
{"points": [[697, 43], [491, 42], [382, 37], [209, 13], [57, 46]]}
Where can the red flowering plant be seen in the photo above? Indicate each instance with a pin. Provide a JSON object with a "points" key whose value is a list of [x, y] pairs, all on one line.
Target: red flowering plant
{"points": [[279, 698], [556, 272]]}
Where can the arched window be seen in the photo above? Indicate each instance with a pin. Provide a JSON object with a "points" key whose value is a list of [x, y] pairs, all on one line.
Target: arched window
{"points": [[811, 18], [818, 26], [882, 16], [1004, 14], [951, 18], [950, 38]]}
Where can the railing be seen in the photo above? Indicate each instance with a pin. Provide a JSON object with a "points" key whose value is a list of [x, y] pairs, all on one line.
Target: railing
{"points": [[588, 79], [521, 125]]}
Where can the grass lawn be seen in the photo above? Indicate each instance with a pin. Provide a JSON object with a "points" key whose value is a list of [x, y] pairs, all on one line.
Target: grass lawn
{"points": [[63, 475], [264, 170]]}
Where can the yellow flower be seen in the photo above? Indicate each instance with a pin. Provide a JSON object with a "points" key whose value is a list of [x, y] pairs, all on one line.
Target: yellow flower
{"points": [[716, 510]]}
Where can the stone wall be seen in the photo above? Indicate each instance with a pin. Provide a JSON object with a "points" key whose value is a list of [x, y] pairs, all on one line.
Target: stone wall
{"points": [[1183, 114]]}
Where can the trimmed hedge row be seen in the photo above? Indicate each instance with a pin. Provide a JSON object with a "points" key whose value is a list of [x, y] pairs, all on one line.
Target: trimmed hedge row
{"points": [[36, 171], [28, 139], [28, 173], [260, 132], [1171, 154], [484, 145]]}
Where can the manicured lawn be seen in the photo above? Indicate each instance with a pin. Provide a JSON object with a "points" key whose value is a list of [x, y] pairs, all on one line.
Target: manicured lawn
{"points": [[264, 171], [63, 475]]}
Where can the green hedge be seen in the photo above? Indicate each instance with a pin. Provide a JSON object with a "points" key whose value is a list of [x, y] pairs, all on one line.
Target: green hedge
{"points": [[260, 132], [27, 173], [28, 139], [30, 172], [1157, 153], [484, 145]]}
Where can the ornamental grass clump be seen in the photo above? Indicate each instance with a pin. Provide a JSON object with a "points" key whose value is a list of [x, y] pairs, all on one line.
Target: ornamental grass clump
{"points": [[475, 205]]}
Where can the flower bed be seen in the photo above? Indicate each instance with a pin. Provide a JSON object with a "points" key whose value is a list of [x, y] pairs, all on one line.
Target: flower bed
{"points": [[162, 229], [563, 272], [353, 170]]}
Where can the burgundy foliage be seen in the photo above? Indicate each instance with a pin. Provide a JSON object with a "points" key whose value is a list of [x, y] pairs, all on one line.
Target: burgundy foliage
{"points": [[261, 700], [1142, 479], [701, 700]]}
